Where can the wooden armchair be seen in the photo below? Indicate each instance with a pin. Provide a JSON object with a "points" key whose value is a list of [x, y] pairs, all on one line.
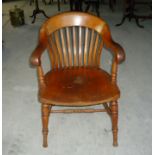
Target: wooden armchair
{"points": [[74, 41]]}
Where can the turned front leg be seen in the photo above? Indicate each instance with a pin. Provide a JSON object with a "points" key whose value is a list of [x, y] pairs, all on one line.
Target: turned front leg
{"points": [[114, 117], [45, 118]]}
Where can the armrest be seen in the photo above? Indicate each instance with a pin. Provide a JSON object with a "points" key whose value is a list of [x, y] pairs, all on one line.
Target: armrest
{"points": [[117, 50], [36, 55]]}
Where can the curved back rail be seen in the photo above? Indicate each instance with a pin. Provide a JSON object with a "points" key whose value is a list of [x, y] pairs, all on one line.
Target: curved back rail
{"points": [[74, 39]]}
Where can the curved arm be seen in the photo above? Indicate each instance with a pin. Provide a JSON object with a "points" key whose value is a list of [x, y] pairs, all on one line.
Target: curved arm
{"points": [[35, 58], [117, 51], [115, 48], [119, 57]]}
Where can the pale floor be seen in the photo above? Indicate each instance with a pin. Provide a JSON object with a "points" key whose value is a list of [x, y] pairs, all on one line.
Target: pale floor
{"points": [[75, 134]]}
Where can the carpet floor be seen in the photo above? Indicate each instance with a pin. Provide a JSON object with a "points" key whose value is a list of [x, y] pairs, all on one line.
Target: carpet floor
{"points": [[75, 134]]}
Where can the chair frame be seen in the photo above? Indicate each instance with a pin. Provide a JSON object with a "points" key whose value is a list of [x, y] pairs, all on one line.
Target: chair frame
{"points": [[67, 19]]}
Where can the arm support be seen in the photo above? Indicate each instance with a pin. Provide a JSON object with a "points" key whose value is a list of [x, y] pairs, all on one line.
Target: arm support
{"points": [[35, 58], [119, 57], [115, 48]]}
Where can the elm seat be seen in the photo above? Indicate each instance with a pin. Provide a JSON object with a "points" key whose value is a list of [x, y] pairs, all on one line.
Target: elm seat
{"points": [[74, 42], [78, 87]]}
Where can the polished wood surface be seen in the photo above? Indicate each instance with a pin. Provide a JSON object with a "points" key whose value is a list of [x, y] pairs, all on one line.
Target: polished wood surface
{"points": [[75, 19], [74, 41], [78, 87]]}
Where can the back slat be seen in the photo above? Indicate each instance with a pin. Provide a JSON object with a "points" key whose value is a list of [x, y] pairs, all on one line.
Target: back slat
{"points": [[95, 50], [86, 47], [64, 48], [91, 47], [75, 47], [99, 53], [69, 46], [80, 46], [59, 49], [50, 51], [55, 53]]}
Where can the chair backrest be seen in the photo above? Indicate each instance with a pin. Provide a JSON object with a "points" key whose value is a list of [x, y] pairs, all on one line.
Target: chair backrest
{"points": [[74, 39]]}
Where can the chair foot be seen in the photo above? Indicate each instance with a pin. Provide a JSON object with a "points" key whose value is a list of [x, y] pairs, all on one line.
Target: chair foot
{"points": [[45, 119], [115, 144], [114, 117], [115, 141], [45, 144]]}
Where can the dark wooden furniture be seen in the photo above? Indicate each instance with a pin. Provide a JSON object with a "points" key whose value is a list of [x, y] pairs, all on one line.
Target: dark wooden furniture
{"points": [[76, 5], [37, 11], [111, 3], [32, 1], [74, 41], [95, 4], [58, 2], [130, 11]]}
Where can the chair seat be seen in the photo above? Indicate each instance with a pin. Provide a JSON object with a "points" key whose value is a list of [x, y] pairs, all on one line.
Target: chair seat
{"points": [[79, 86]]}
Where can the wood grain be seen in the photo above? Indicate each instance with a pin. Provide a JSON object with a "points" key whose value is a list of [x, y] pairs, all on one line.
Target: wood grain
{"points": [[75, 41]]}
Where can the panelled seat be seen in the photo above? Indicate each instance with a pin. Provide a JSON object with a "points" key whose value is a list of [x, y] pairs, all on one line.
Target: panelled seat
{"points": [[78, 87]]}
